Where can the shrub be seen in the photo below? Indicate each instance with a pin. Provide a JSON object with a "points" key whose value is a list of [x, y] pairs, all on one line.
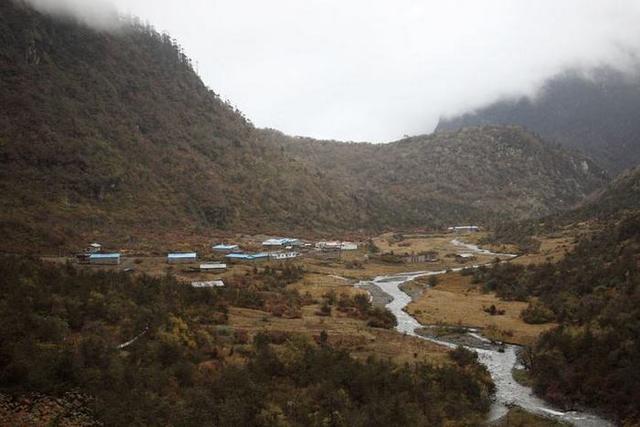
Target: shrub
{"points": [[537, 313], [381, 318]]}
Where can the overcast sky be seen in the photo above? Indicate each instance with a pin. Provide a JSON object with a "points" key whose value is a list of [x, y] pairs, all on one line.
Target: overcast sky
{"points": [[376, 70]]}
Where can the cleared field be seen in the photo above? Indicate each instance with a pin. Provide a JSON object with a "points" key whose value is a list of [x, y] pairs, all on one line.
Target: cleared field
{"points": [[317, 285], [456, 301], [552, 249], [408, 243]]}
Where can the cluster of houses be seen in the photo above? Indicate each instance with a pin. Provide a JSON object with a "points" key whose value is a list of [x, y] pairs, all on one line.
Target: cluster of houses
{"points": [[276, 249]]}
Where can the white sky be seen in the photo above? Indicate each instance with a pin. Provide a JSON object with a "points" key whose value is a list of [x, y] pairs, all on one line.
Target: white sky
{"points": [[375, 70]]}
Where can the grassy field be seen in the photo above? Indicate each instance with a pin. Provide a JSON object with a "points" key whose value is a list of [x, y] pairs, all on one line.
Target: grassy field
{"points": [[552, 249], [456, 301], [343, 332]]}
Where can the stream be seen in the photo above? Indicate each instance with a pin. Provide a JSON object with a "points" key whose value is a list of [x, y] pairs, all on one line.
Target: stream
{"points": [[499, 363]]}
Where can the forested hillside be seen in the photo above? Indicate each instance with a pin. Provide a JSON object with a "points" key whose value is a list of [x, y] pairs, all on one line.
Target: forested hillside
{"points": [[594, 294], [486, 173], [63, 329], [607, 206], [598, 114], [622, 194], [114, 136]]}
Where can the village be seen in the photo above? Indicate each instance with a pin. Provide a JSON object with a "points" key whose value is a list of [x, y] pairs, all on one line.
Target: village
{"points": [[335, 267], [207, 268]]}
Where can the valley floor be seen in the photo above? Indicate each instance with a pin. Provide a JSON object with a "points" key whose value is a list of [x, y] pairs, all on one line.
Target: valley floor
{"points": [[454, 301]]}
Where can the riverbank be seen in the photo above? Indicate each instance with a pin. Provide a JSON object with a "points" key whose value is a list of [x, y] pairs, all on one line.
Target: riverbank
{"points": [[500, 362], [457, 336], [379, 298], [457, 301]]}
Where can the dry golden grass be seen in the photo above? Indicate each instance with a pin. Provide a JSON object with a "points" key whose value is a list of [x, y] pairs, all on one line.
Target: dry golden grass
{"points": [[343, 332], [352, 334], [552, 249], [440, 243], [317, 285], [456, 301]]}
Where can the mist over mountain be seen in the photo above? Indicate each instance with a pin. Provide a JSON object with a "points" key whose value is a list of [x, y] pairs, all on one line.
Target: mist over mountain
{"points": [[598, 114]]}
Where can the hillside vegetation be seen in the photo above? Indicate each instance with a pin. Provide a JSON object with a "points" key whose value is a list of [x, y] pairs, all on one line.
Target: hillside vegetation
{"points": [[607, 206], [591, 358], [61, 330], [114, 136]]}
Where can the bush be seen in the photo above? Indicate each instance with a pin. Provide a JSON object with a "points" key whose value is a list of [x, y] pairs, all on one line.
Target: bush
{"points": [[325, 309], [536, 313], [493, 311], [463, 357], [381, 318]]}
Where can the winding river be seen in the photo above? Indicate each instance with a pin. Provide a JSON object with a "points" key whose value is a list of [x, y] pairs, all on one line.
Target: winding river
{"points": [[499, 363]]}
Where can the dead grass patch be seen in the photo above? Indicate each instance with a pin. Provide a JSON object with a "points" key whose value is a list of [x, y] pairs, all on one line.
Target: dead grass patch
{"points": [[456, 301]]}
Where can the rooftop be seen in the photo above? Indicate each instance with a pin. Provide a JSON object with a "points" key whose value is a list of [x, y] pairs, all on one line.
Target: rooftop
{"points": [[112, 255], [182, 255], [248, 256], [222, 246], [208, 284]]}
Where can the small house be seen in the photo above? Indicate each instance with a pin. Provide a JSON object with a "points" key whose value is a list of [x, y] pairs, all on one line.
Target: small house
{"points": [[104, 259], [464, 229], [337, 246], [261, 256], [329, 246], [181, 257], [213, 267], [464, 257], [226, 248], [208, 284], [283, 256], [349, 246], [429, 256], [281, 242]]}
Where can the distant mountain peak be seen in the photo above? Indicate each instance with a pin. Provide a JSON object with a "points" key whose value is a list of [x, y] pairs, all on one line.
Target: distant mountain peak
{"points": [[597, 113]]}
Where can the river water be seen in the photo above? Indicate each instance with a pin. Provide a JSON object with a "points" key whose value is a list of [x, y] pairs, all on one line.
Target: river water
{"points": [[499, 364]]}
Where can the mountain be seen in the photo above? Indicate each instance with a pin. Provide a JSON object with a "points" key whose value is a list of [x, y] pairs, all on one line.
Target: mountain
{"points": [[598, 114], [113, 136], [603, 208], [480, 174], [620, 196]]}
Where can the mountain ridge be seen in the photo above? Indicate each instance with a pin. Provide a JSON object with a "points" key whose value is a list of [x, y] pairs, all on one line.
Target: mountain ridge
{"points": [[113, 136], [597, 114]]}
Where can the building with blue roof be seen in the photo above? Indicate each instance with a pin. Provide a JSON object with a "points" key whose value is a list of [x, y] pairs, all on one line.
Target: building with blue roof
{"points": [[226, 248], [261, 256], [104, 258], [281, 242]]}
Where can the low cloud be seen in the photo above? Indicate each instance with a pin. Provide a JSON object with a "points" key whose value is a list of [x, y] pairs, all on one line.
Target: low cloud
{"points": [[375, 70], [99, 14]]}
